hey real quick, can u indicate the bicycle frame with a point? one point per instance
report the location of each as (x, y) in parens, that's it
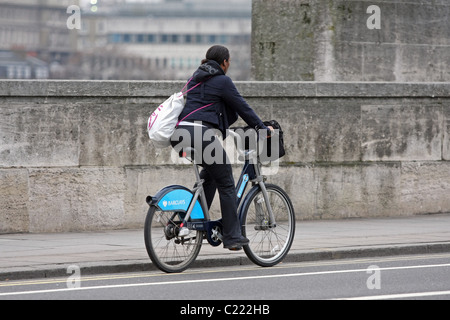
(197, 213)
(251, 172)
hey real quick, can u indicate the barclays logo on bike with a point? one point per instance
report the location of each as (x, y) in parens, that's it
(179, 199)
(174, 203)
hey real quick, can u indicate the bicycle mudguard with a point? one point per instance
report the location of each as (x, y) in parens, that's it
(176, 198)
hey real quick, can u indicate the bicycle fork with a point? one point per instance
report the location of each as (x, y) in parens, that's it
(262, 222)
(259, 203)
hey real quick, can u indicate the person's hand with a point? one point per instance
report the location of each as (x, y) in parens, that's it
(271, 130)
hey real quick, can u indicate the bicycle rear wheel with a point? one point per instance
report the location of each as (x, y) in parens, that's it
(268, 245)
(169, 252)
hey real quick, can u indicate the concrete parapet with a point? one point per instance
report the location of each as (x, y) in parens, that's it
(75, 155)
(358, 40)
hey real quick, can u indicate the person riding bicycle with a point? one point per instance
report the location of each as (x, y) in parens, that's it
(227, 104)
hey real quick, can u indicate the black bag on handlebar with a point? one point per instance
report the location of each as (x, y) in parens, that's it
(273, 146)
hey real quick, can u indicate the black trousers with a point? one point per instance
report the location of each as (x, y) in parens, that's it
(217, 174)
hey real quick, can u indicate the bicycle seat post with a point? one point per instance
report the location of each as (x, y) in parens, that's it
(198, 180)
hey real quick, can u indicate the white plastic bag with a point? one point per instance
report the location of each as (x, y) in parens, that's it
(162, 122)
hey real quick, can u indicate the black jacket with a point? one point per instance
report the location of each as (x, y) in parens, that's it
(217, 88)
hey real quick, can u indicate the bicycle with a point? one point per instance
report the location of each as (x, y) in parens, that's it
(178, 218)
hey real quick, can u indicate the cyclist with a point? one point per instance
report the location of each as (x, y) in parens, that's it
(227, 104)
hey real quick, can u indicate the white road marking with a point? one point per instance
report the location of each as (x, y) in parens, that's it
(400, 295)
(226, 279)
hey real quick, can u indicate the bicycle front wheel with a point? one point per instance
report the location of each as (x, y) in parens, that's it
(169, 252)
(268, 245)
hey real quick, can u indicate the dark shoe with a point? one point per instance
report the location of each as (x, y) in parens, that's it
(237, 245)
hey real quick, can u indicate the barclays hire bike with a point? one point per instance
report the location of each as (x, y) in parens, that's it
(178, 218)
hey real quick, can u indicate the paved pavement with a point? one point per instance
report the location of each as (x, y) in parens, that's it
(46, 255)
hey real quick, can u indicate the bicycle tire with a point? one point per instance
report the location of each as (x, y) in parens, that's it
(268, 245)
(170, 253)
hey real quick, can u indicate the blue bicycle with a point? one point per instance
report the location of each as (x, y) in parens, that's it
(178, 219)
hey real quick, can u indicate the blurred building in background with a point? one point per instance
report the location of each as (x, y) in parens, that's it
(21, 65)
(33, 35)
(167, 39)
(120, 39)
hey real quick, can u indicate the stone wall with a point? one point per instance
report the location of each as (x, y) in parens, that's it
(351, 40)
(75, 155)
